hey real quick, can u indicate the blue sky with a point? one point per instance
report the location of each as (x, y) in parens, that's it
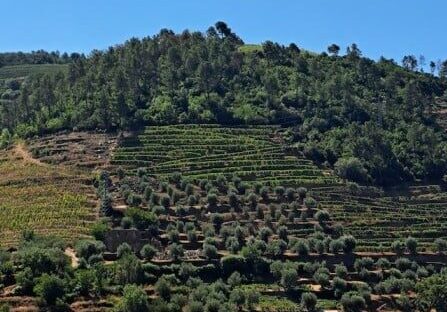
(392, 28)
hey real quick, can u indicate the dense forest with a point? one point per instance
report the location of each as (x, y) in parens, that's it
(370, 120)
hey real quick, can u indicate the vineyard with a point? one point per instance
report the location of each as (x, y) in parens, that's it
(48, 200)
(21, 71)
(205, 152)
(259, 155)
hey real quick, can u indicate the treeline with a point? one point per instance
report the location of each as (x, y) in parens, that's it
(36, 57)
(372, 121)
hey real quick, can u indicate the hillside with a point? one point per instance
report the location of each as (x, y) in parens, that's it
(44, 199)
(386, 113)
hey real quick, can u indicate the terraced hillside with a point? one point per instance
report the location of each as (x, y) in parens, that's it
(43, 198)
(259, 155)
(254, 154)
(377, 219)
(86, 150)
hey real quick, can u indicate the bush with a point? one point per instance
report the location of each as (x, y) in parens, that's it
(232, 263)
(134, 300)
(123, 249)
(234, 280)
(141, 219)
(301, 247)
(336, 245)
(351, 169)
(99, 230)
(309, 301)
(210, 251)
(289, 278)
(212, 199)
(50, 288)
(126, 223)
(341, 271)
(176, 251)
(237, 296)
(280, 191)
(165, 202)
(339, 286)
(86, 248)
(322, 216)
(148, 252)
(349, 243)
(25, 280)
(290, 194)
(163, 288)
(353, 302)
(441, 245)
(411, 244)
(398, 247)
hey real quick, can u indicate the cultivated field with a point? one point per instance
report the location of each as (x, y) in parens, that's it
(39, 197)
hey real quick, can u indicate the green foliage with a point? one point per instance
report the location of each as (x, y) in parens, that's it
(432, 293)
(141, 219)
(134, 300)
(50, 288)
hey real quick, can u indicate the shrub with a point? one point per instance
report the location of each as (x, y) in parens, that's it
(322, 277)
(411, 244)
(252, 199)
(264, 193)
(134, 300)
(134, 200)
(290, 194)
(398, 247)
(165, 202)
(163, 288)
(234, 279)
(123, 249)
(309, 301)
(339, 286)
(86, 248)
(289, 278)
(148, 252)
(277, 247)
(50, 288)
(351, 169)
(282, 233)
(237, 296)
(212, 199)
(252, 299)
(210, 251)
(265, 233)
(301, 247)
(341, 271)
(99, 230)
(280, 191)
(441, 245)
(141, 219)
(383, 263)
(195, 306)
(176, 251)
(232, 263)
(353, 302)
(336, 245)
(126, 223)
(349, 243)
(322, 216)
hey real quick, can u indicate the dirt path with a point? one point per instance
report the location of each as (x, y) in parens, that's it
(72, 255)
(21, 151)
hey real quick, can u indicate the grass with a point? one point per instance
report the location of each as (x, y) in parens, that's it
(48, 200)
(21, 71)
